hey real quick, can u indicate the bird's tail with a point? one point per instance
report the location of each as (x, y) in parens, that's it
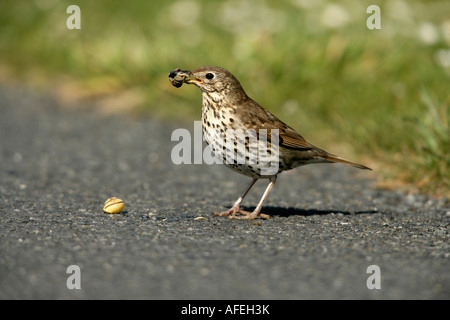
(333, 158)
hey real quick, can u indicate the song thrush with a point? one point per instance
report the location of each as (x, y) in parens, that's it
(227, 107)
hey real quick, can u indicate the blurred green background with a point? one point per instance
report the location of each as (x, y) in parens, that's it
(376, 96)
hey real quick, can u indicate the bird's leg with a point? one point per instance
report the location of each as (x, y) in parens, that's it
(236, 207)
(257, 211)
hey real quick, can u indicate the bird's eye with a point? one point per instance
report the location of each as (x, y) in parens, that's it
(209, 76)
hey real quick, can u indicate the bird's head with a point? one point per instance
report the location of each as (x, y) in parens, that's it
(209, 79)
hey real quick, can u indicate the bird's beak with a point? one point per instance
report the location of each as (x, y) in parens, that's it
(178, 77)
(193, 79)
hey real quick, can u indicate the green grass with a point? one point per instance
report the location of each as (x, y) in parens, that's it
(433, 130)
(376, 96)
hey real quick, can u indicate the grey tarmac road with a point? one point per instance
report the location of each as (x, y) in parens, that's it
(329, 224)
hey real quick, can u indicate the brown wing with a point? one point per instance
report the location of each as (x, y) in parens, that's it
(256, 117)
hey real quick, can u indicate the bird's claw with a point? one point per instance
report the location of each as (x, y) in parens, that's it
(246, 215)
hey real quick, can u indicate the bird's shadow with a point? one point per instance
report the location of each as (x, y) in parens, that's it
(291, 211)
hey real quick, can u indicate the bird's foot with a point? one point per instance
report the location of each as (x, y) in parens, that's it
(232, 214)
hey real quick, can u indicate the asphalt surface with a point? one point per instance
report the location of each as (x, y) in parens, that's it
(329, 224)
